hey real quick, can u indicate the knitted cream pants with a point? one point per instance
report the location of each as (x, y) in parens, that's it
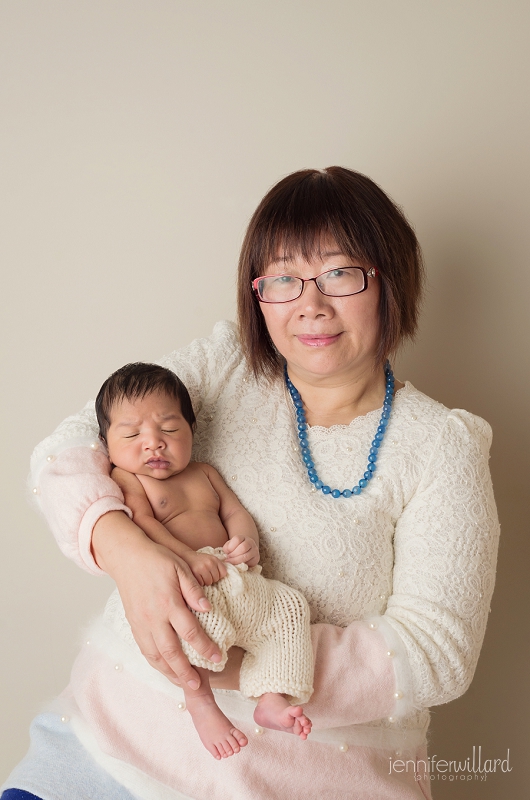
(270, 621)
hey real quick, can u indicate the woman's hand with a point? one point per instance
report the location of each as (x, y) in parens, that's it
(229, 677)
(155, 585)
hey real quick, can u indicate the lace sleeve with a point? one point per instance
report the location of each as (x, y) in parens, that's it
(445, 550)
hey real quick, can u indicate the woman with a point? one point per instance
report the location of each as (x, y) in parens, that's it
(384, 519)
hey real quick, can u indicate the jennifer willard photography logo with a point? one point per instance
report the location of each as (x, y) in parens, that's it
(471, 768)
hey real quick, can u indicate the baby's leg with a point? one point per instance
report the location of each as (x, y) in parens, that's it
(216, 731)
(275, 711)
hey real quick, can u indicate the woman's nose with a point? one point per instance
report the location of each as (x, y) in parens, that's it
(312, 302)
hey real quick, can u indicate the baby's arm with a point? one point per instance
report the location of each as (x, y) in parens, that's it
(242, 546)
(207, 569)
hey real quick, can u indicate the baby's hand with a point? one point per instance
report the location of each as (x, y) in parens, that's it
(207, 569)
(241, 550)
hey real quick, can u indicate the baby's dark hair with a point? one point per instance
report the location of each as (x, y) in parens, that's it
(136, 381)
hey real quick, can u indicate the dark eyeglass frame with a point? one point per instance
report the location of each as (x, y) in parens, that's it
(371, 273)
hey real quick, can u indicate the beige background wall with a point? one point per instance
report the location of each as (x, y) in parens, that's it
(136, 139)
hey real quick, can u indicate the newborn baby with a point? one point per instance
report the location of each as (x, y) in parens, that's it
(146, 420)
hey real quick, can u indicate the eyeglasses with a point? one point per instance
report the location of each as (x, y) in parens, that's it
(335, 282)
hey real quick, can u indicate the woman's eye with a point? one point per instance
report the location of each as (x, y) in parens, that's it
(284, 279)
(336, 273)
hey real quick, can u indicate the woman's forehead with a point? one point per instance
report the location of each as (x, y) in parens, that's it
(318, 255)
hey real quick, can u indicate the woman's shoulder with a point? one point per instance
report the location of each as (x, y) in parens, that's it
(417, 407)
(223, 340)
(206, 365)
(206, 356)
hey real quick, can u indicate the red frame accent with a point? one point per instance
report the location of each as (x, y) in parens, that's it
(307, 280)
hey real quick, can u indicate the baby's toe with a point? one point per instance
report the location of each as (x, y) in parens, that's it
(240, 737)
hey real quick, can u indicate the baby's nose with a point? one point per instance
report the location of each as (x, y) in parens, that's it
(153, 443)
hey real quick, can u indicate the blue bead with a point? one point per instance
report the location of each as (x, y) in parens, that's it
(302, 427)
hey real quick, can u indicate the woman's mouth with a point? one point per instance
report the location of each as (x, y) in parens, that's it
(157, 463)
(318, 339)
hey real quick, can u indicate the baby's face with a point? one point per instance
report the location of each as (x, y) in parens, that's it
(149, 436)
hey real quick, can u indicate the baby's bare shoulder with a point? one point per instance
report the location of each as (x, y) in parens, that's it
(199, 468)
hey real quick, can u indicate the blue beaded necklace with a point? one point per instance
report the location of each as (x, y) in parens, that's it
(374, 449)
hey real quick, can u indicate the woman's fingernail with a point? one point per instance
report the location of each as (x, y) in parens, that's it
(203, 602)
(216, 658)
(193, 684)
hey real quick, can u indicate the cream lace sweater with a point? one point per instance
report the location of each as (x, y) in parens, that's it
(412, 559)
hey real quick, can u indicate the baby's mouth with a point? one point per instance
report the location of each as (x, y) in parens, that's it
(157, 463)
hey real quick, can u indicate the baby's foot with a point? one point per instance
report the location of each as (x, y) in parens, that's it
(274, 711)
(216, 731)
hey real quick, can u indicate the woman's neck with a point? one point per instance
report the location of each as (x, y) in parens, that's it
(338, 400)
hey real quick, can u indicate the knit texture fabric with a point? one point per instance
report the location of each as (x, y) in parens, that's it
(268, 619)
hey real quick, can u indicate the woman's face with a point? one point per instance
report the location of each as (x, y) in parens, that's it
(324, 339)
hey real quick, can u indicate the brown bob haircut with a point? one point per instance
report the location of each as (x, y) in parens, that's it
(136, 381)
(295, 218)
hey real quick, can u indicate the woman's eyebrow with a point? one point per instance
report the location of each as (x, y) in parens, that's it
(327, 254)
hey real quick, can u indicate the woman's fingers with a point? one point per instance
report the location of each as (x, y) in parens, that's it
(162, 649)
(185, 623)
(156, 605)
(153, 655)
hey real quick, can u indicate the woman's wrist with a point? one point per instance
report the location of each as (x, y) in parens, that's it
(114, 537)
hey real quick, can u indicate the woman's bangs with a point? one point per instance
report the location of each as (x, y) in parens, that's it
(289, 237)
